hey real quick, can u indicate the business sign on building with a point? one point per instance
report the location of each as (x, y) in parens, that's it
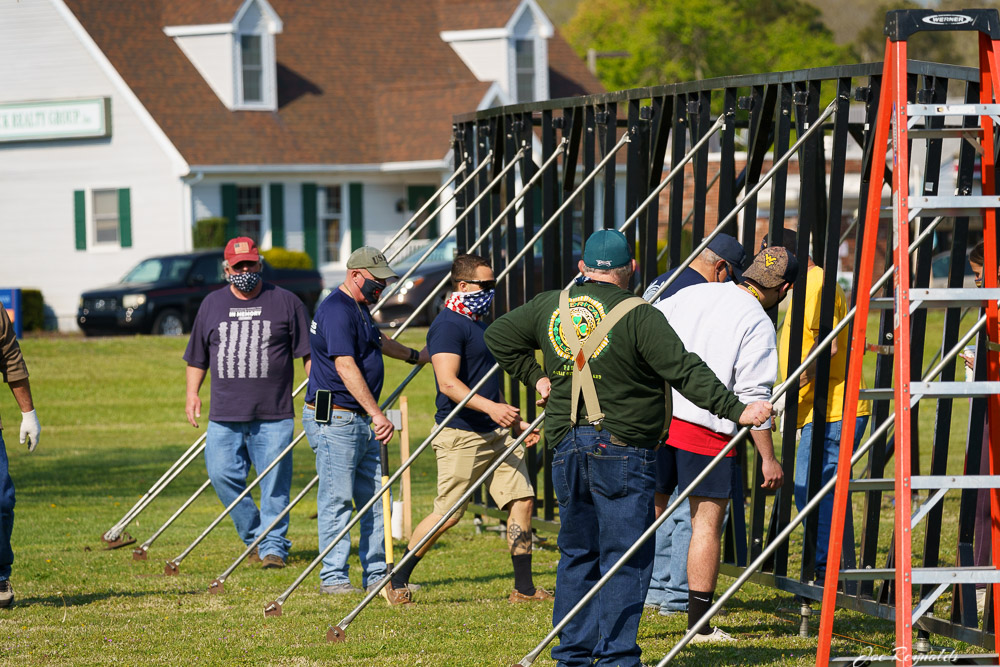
(56, 119)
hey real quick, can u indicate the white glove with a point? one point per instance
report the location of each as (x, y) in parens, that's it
(779, 405)
(30, 428)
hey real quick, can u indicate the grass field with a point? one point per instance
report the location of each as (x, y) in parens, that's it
(112, 416)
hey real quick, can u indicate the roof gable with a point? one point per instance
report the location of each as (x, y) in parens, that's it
(358, 83)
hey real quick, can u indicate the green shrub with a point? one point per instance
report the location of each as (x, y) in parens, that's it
(32, 310)
(210, 233)
(280, 258)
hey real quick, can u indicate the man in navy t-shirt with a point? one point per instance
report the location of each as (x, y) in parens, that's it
(668, 588)
(247, 334)
(347, 351)
(478, 433)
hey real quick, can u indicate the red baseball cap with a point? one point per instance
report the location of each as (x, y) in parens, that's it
(241, 249)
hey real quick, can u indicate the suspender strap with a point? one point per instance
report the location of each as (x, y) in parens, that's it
(583, 379)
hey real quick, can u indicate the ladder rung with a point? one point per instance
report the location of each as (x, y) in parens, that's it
(928, 575)
(940, 298)
(952, 109)
(945, 133)
(936, 390)
(918, 482)
(955, 296)
(952, 205)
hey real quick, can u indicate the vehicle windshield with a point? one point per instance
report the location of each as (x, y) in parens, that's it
(158, 270)
(443, 253)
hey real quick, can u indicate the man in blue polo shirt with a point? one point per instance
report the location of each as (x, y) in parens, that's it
(347, 349)
(668, 588)
(474, 437)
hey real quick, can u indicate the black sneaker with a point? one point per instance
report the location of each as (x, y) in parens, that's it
(6, 594)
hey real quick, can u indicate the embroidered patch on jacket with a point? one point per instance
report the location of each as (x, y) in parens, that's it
(586, 313)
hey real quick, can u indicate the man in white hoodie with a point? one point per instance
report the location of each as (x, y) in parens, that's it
(726, 325)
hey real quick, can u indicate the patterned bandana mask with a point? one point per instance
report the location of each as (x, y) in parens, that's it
(245, 282)
(471, 304)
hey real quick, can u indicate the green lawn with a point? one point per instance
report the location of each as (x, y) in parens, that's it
(112, 416)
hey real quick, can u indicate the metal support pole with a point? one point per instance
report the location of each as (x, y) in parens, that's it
(337, 633)
(217, 584)
(172, 565)
(140, 552)
(389, 291)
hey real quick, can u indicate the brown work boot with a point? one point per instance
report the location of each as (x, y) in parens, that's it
(272, 562)
(539, 594)
(254, 556)
(397, 597)
(6, 594)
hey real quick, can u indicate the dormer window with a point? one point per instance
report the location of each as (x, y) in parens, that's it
(524, 64)
(251, 69)
(236, 58)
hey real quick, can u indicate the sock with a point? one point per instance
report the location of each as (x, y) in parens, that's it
(523, 582)
(401, 577)
(699, 603)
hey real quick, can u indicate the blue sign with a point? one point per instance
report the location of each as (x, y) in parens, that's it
(10, 298)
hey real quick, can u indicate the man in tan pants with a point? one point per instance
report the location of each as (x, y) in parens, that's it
(477, 434)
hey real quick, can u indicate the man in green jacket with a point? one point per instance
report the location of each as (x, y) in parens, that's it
(603, 470)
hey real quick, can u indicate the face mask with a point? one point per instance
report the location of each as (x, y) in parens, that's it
(479, 302)
(245, 282)
(371, 290)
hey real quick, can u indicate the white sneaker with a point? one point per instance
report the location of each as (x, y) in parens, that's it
(717, 635)
(980, 600)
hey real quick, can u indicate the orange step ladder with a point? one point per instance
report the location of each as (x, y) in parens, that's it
(901, 116)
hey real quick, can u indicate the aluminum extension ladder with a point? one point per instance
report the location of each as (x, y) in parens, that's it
(897, 113)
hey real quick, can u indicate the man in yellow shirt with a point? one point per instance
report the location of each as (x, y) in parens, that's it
(828, 445)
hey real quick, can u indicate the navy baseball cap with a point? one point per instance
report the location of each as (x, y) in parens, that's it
(729, 249)
(606, 249)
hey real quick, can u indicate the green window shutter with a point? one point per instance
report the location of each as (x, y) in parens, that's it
(80, 218)
(417, 196)
(229, 208)
(277, 215)
(125, 218)
(309, 221)
(356, 191)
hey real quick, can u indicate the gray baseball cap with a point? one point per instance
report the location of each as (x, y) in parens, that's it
(373, 261)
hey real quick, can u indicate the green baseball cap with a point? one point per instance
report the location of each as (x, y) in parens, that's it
(606, 249)
(371, 259)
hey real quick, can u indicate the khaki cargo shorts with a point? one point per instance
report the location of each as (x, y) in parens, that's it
(462, 456)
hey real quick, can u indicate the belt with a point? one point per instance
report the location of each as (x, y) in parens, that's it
(357, 411)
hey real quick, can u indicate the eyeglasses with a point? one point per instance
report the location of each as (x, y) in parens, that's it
(485, 284)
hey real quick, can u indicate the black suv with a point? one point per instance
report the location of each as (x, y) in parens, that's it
(161, 295)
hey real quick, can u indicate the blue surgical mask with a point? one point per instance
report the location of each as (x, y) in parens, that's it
(245, 282)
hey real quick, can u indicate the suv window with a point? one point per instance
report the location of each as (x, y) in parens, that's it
(210, 270)
(158, 270)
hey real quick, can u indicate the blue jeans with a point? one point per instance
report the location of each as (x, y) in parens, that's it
(347, 462)
(830, 450)
(605, 495)
(230, 448)
(668, 586)
(6, 514)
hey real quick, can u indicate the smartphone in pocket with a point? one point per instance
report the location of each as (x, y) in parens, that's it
(324, 405)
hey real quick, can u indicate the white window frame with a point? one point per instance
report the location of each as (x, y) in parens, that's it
(264, 242)
(92, 220)
(321, 218)
(269, 77)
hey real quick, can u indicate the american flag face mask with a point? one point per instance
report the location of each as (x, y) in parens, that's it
(471, 304)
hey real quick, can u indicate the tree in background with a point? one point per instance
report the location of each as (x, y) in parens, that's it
(684, 40)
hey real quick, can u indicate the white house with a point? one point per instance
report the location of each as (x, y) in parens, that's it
(315, 125)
